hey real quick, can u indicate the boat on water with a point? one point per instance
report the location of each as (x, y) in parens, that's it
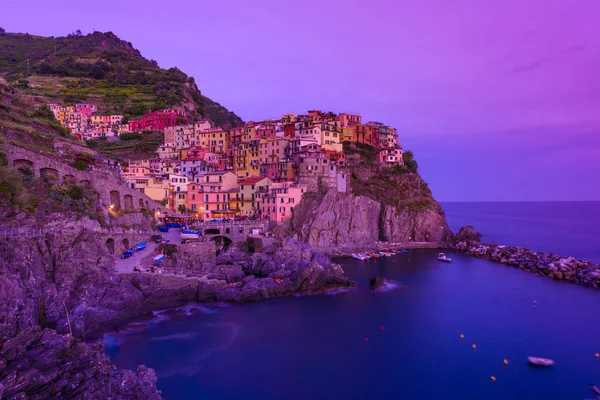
(360, 256)
(404, 251)
(140, 246)
(442, 257)
(386, 254)
(596, 390)
(540, 362)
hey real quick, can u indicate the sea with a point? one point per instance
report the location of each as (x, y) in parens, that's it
(440, 331)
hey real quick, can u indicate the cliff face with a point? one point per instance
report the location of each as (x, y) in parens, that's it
(339, 223)
(382, 204)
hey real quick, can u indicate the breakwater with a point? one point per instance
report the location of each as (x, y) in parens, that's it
(556, 267)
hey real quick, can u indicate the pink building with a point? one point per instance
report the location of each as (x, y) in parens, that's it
(209, 195)
(156, 120)
(391, 156)
(280, 199)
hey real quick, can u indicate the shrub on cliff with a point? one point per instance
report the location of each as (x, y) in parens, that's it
(81, 165)
(409, 161)
(12, 187)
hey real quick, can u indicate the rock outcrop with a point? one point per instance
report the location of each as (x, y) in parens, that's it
(282, 269)
(467, 234)
(41, 364)
(343, 223)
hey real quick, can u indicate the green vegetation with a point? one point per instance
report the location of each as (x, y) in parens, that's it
(12, 187)
(102, 69)
(167, 249)
(132, 146)
(25, 125)
(81, 165)
(367, 152)
(409, 161)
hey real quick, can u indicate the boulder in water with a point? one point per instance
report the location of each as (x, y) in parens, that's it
(467, 234)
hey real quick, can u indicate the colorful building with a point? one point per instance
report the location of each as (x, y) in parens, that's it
(210, 194)
(279, 200)
(156, 120)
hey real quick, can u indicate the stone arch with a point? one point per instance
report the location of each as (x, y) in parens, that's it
(125, 243)
(212, 231)
(110, 245)
(85, 182)
(115, 200)
(221, 240)
(68, 178)
(23, 165)
(141, 204)
(49, 174)
(128, 202)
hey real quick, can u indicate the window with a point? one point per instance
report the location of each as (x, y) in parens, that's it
(193, 197)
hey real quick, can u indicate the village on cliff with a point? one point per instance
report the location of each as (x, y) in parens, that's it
(258, 170)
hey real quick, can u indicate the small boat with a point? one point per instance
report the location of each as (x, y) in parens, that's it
(360, 256)
(163, 228)
(595, 389)
(404, 251)
(159, 258)
(540, 362)
(375, 255)
(442, 257)
(190, 234)
(140, 246)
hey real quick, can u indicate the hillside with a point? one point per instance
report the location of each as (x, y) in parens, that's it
(102, 69)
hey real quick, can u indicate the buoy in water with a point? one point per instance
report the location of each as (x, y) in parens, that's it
(381, 328)
(597, 355)
(535, 302)
(493, 378)
(474, 346)
(506, 362)
(367, 339)
(462, 336)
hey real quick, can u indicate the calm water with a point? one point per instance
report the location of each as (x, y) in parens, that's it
(314, 347)
(564, 228)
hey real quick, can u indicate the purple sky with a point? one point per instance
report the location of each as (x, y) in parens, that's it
(499, 99)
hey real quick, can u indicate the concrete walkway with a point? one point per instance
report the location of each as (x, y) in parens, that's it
(123, 266)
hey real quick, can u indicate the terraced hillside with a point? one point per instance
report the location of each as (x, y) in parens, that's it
(102, 69)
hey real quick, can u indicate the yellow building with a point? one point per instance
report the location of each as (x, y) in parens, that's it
(248, 197)
(253, 158)
(347, 134)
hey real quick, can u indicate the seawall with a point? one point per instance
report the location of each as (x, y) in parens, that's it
(556, 267)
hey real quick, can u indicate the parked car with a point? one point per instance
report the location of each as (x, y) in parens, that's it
(225, 219)
(237, 218)
(140, 246)
(157, 238)
(127, 253)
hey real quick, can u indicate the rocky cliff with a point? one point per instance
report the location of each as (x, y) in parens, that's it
(58, 289)
(381, 205)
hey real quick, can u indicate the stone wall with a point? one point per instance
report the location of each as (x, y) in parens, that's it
(111, 189)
